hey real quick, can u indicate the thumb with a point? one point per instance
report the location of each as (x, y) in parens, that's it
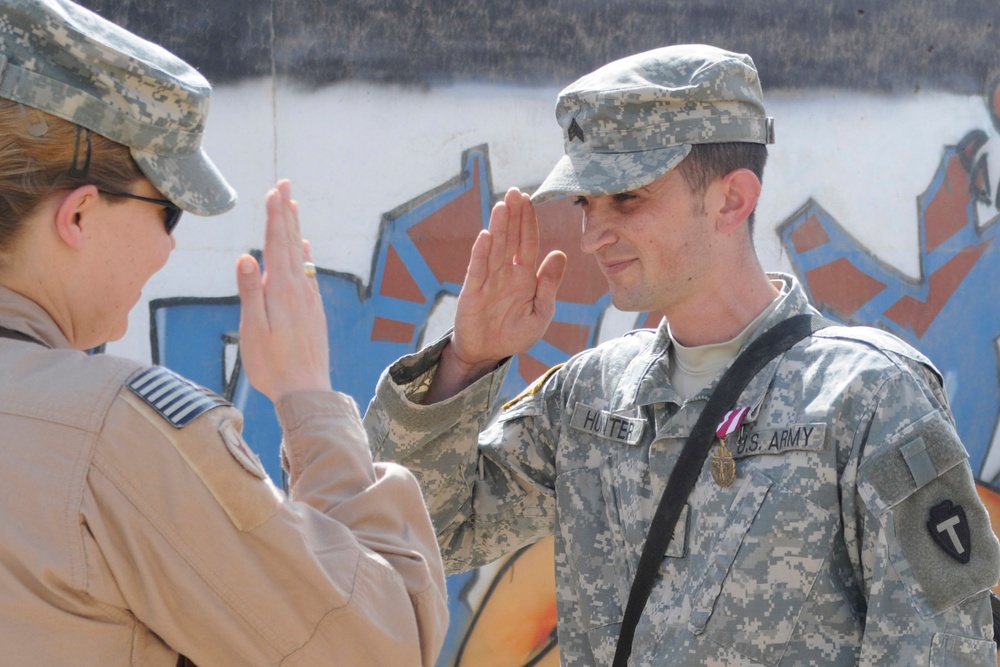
(550, 275)
(251, 288)
(478, 268)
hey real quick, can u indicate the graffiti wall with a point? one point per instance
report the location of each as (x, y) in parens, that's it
(401, 122)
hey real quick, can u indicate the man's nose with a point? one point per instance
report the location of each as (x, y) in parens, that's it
(597, 229)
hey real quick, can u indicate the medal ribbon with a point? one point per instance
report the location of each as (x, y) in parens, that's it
(731, 422)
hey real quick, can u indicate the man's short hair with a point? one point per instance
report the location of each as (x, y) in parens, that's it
(707, 163)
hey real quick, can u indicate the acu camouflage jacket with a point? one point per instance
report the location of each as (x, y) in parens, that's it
(853, 533)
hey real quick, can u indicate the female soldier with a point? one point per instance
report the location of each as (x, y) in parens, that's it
(137, 523)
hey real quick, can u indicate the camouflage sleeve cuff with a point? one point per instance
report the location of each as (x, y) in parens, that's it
(413, 374)
(415, 371)
(396, 405)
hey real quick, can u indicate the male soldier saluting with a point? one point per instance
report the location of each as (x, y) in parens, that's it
(858, 538)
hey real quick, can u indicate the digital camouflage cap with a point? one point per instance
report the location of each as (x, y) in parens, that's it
(63, 59)
(633, 120)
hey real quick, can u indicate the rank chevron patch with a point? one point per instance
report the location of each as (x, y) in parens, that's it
(174, 398)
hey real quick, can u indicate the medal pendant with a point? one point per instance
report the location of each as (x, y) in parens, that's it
(723, 465)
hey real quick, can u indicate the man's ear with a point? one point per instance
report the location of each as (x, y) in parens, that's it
(740, 190)
(75, 212)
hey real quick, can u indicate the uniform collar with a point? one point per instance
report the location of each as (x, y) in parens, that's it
(21, 314)
(645, 380)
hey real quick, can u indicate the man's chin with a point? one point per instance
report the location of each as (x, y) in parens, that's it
(628, 303)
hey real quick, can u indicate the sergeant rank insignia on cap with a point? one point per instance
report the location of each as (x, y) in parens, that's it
(575, 131)
(174, 398)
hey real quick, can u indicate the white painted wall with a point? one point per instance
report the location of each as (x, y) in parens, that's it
(355, 151)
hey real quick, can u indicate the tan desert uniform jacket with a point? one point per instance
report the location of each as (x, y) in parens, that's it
(127, 539)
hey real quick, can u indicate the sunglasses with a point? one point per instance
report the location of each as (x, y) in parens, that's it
(172, 211)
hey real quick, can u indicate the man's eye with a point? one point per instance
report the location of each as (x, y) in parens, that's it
(624, 196)
(580, 201)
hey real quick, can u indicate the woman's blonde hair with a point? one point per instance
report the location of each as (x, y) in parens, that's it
(41, 154)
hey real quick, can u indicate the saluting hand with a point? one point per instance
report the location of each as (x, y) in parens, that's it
(283, 337)
(506, 303)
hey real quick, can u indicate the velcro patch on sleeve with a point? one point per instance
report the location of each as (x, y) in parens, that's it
(174, 398)
(944, 549)
(949, 527)
(927, 449)
(213, 449)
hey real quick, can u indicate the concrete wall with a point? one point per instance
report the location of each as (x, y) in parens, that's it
(400, 122)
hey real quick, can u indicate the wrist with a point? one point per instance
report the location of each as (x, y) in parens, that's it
(461, 370)
(454, 374)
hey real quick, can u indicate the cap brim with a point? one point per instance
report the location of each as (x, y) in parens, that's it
(608, 173)
(190, 180)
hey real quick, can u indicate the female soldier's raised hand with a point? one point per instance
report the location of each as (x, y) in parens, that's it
(283, 337)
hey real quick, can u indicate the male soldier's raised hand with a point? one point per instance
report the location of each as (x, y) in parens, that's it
(506, 304)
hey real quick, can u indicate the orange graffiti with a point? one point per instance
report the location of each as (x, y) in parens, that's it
(515, 625)
(991, 499)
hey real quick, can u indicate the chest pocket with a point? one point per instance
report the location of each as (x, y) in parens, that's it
(762, 567)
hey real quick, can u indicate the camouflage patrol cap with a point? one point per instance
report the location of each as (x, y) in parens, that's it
(633, 120)
(65, 60)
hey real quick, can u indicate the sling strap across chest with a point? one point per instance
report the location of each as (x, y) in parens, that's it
(682, 479)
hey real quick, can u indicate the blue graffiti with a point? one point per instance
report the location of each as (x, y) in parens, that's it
(956, 323)
(198, 337)
(193, 335)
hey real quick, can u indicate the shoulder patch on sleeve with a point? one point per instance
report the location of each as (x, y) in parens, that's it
(174, 398)
(238, 447)
(941, 544)
(949, 527)
(533, 388)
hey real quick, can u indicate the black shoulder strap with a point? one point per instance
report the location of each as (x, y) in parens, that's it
(770, 344)
(995, 605)
(17, 335)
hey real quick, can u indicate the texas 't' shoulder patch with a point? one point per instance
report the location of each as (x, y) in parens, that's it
(949, 527)
(174, 398)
